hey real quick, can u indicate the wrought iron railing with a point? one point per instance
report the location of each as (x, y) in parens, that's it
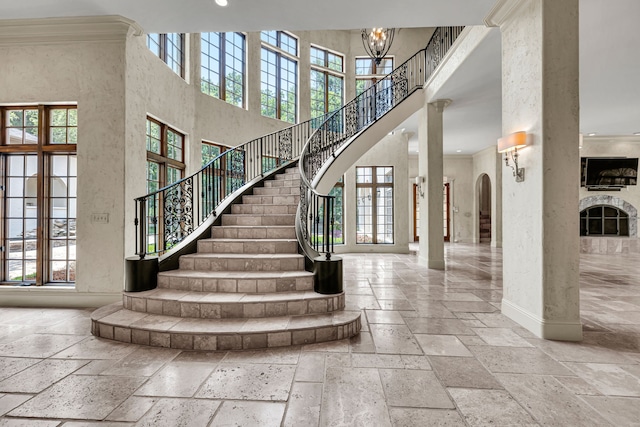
(314, 220)
(166, 217)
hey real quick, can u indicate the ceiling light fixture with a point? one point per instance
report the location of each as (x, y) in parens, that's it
(591, 134)
(458, 151)
(222, 3)
(636, 133)
(377, 42)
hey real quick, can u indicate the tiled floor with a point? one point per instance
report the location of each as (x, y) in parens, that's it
(434, 350)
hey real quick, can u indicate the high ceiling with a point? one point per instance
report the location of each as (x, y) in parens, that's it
(609, 54)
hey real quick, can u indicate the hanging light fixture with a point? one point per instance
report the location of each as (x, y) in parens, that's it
(377, 42)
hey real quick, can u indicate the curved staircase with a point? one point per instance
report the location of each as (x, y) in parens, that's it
(245, 288)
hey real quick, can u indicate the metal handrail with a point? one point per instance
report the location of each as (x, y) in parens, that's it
(165, 217)
(314, 219)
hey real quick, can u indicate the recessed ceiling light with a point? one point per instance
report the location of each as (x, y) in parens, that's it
(636, 133)
(222, 3)
(591, 134)
(458, 151)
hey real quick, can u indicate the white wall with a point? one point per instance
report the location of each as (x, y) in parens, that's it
(458, 172)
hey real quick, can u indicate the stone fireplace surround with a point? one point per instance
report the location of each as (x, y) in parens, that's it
(611, 244)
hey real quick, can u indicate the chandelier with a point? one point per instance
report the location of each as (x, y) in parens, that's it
(377, 42)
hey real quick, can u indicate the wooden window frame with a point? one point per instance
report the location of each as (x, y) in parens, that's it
(375, 185)
(43, 150)
(222, 88)
(326, 71)
(280, 53)
(163, 44)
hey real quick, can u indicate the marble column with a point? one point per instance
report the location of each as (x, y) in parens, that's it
(430, 135)
(540, 95)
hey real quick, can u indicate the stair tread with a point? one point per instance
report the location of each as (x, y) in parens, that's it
(226, 255)
(253, 226)
(182, 325)
(226, 297)
(265, 240)
(236, 274)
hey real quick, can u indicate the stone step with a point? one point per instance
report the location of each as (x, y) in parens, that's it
(221, 305)
(116, 323)
(282, 183)
(292, 170)
(265, 219)
(271, 200)
(275, 191)
(236, 281)
(263, 209)
(288, 177)
(253, 232)
(248, 246)
(242, 262)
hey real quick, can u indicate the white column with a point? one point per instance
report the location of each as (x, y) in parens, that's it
(430, 135)
(540, 95)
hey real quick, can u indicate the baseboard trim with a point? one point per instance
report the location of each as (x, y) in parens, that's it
(52, 297)
(549, 330)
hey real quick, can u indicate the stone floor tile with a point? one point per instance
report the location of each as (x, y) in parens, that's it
(17, 422)
(469, 307)
(412, 417)
(442, 345)
(12, 365)
(341, 346)
(518, 360)
(210, 357)
(96, 424)
(490, 407)
(38, 346)
(575, 352)
(249, 414)
(96, 367)
(415, 362)
(609, 379)
(414, 389)
(180, 413)
(132, 409)
(249, 382)
(80, 397)
(395, 304)
(338, 360)
(361, 302)
(95, 348)
(394, 339)
(495, 320)
(304, 405)
(362, 343)
(280, 356)
(501, 337)
(620, 411)
(177, 379)
(438, 326)
(310, 367)
(143, 362)
(578, 386)
(11, 401)
(40, 376)
(549, 402)
(463, 372)
(367, 360)
(353, 396)
(384, 317)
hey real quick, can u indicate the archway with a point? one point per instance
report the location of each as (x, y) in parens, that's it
(483, 198)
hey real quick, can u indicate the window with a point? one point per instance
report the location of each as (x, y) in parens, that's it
(368, 72)
(223, 66)
(327, 82)
(170, 48)
(338, 212)
(604, 221)
(374, 205)
(279, 76)
(210, 151)
(39, 186)
(165, 165)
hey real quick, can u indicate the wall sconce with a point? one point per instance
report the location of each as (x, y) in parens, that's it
(509, 146)
(419, 181)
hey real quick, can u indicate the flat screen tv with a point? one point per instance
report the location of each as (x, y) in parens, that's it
(609, 172)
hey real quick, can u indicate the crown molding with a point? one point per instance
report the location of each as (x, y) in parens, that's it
(85, 29)
(501, 12)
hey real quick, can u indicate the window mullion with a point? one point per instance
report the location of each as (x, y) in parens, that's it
(223, 62)
(278, 86)
(42, 240)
